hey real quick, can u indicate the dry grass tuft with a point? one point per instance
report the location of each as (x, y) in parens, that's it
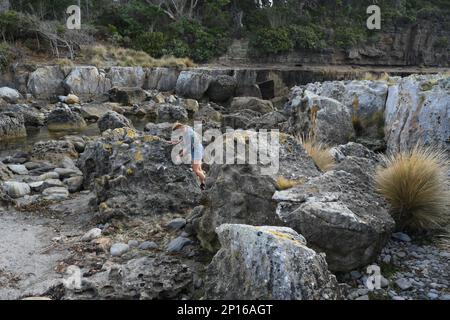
(318, 151)
(383, 76)
(65, 63)
(284, 183)
(414, 183)
(102, 56)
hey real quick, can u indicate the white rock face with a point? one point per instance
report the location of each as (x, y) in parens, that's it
(127, 77)
(86, 81)
(363, 97)
(9, 94)
(328, 119)
(161, 79)
(16, 189)
(418, 110)
(46, 81)
(258, 263)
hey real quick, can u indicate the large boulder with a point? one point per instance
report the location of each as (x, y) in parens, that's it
(172, 113)
(161, 79)
(326, 119)
(127, 76)
(10, 95)
(94, 111)
(63, 118)
(46, 82)
(191, 84)
(242, 192)
(87, 81)
(53, 151)
(127, 95)
(12, 125)
(267, 263)
(31, 116)
(136, 175)
(222, 88)
(339, 212)
(154, 277)
(363, 98)
(418, 110)
(113, 120)
(251, 103)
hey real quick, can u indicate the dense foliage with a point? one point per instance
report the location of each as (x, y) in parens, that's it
(203, 29)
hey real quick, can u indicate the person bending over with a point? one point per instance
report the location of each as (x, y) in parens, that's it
(192, 143)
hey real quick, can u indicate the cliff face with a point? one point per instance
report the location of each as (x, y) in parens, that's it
(425, 42)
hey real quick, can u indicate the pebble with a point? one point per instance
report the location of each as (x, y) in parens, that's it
(176, 224)
(387, 259)
(400, 236)
(18, 169)
(148, 245)
(398, 298)
(403, 283)
(365, 297)
(92, 234)
(133, 243)
(178, 244)
(16, 189)
(118, 249)
(56, 193)
(432, 295)
(48, 175)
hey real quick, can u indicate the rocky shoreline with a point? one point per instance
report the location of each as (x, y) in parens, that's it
(133, 225)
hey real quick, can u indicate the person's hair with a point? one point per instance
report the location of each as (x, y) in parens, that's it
(177, 126)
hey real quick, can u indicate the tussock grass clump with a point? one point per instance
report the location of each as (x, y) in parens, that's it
(318, 151)
(373, 76)
(102, 56)
(414, 184)
(284, 183)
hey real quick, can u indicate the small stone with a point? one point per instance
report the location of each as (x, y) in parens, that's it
(384, 282)
(176, 224)
(49, 175)
(119, 249)
(365, 297)
(18, 169)
(432, 295)
(92, 234)
(401, 254)
(36, 185)
(16, 189)
(445, 297)
(74, 183)
(49, 183)
(133, 243)
(400, 236)
(178, 244)
(56, 193)
(387, 259)
(148, 245)
(403, 283)
(398, 298)
(67, 172)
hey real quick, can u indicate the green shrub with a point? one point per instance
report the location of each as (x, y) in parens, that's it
(151, 42)
(203, 43)
(441, 43)
(272, 41)
(5, 56)
(348, 36)
(307, 37)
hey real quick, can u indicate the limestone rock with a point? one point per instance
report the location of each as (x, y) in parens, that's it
(261, 263)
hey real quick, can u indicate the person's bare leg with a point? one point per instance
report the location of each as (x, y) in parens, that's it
(197, 167)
